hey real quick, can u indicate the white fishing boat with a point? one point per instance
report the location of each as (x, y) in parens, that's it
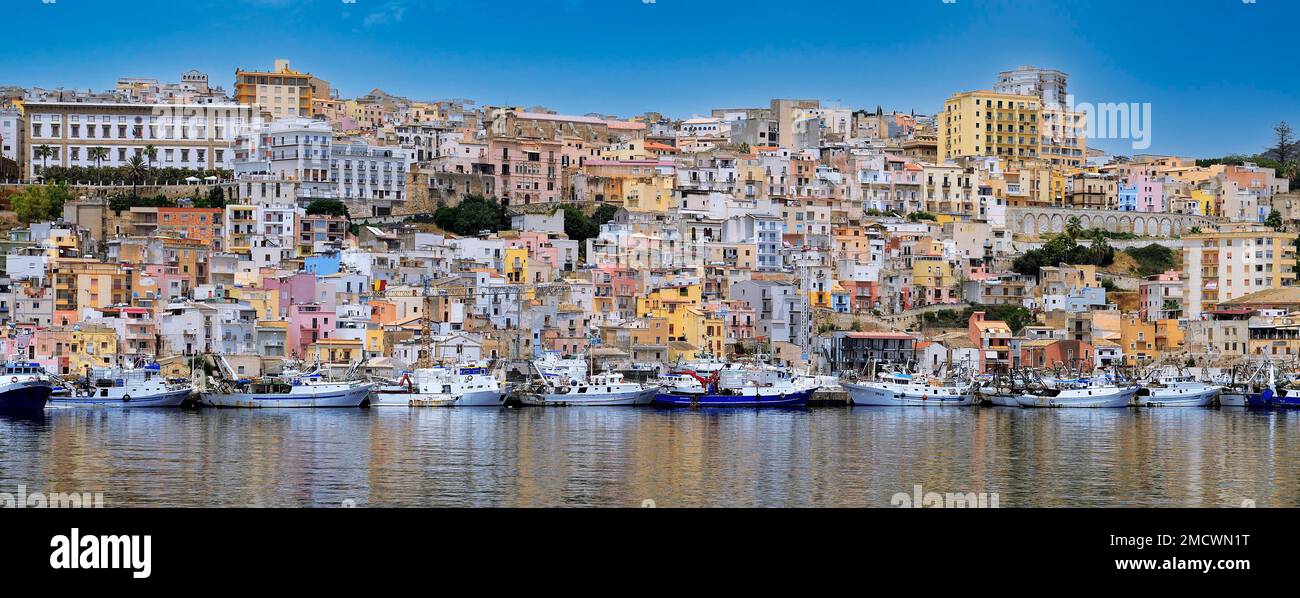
(560, 370)
(902, 389)
(608, 389)
(289, 389)
(1176, 390)
(465, 385)
(1082, 394)
(125, 387)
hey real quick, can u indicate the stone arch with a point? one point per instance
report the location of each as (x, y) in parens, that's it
(1058, 223)
(1044, 224)
(1029, 227)
(1112, 224)
(1085, 222)
(1166, 227)
(1139, 226)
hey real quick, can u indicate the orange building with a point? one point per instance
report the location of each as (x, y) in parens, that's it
(205, 224)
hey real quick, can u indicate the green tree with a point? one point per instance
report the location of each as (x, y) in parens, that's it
(216, 199)
(135, 171)
(1274, 220)
(151, 153)
(604, 214)
(40, 202)
(915, 216)
(1074, 227)
(44, 152)
(329, 207)
(473, 215)
(578, 226)
(98, 154)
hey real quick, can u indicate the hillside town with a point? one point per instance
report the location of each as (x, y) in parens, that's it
(270, 220)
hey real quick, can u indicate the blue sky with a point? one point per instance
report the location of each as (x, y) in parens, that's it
(1217, 73)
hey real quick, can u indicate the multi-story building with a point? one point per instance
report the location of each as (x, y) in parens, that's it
(1047, 85)
(987, 123)
(1233, 262)
(279, 93)
(191, 136)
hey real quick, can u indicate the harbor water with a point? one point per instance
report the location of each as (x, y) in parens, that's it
(630, 457)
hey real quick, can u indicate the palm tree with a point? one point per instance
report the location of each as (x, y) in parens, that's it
(152, 153)
(44, 152)
(1074, 227)
(97, 154)
(135, 169)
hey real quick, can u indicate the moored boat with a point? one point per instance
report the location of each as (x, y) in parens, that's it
(898, 389)
(125, 387)
(462, 385)
(601, 390)
(734, 386)
(25, 388)
(1090, 396)
(291, 388)
(1176, 390)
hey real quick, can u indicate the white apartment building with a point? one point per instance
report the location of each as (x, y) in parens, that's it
(12, 134)
(184, 135)
(372, 178)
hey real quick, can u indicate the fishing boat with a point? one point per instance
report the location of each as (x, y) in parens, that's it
(125, 387)
(1176, 390)
(25, 388)
(291, 388)
(465, 385)
(899, 389)
(1099, 392)
(608, 390)
(551, 366)
(736, 386)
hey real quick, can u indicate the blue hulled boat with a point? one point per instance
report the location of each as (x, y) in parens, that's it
(735, 387)
(24, 388)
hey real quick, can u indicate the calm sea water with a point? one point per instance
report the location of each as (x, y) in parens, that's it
(624, 456)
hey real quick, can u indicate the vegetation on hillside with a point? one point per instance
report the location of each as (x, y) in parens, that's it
(1064, 249)
(40, 202)
(1016, 316)
(1153, 259)
(118, 175)
(471, 216)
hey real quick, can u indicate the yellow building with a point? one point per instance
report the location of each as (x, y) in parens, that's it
(687, 321)
(1205, 202)
(335, 350)
(516, 265)
(932, 273)
(986, 123)
(265, 301)
(1138, 340)
(279, 93)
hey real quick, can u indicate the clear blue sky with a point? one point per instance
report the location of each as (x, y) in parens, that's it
(1218, 73)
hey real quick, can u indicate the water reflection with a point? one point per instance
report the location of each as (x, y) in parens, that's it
(620, 457)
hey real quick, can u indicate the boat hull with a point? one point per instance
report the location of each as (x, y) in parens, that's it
(352, 397)
(1178, 397)
(414, 399)
(797, 398)
(25, 397)
(173, 398)
(1107, 400)
(613, 399)
(1232, 399)
(892, 395)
